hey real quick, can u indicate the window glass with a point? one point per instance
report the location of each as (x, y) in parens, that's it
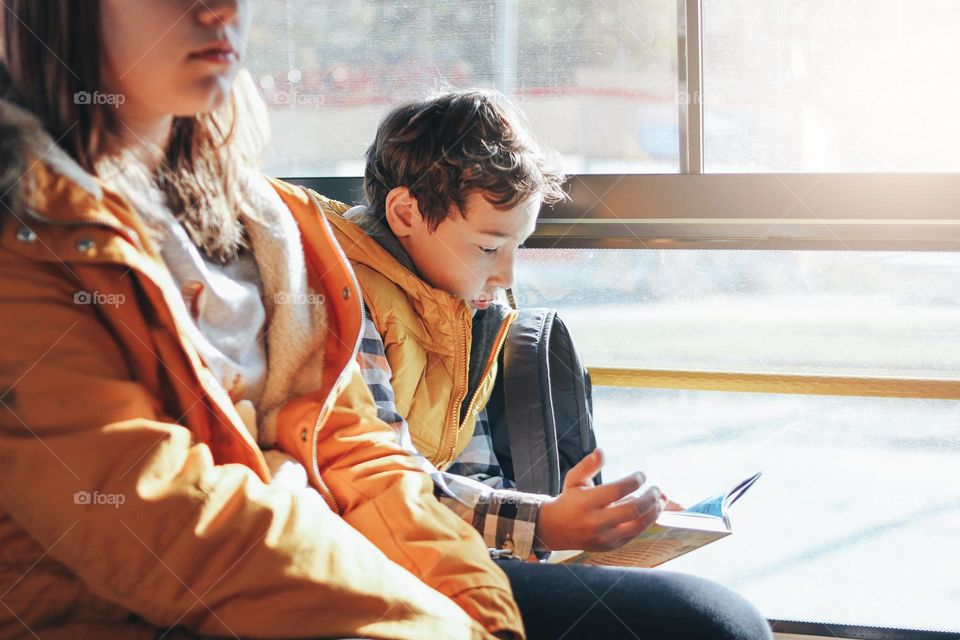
(805, 312)
(855, 519)
(820, 85)
(597, 80)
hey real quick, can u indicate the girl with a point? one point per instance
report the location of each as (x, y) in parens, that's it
(168, 316)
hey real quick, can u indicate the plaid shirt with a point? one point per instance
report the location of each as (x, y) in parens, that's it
(473, 485)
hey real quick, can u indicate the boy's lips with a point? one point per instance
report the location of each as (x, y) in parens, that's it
(481, 304)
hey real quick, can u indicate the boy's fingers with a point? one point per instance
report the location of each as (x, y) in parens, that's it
(624, 533)
(630, 508)
(581, 475)
(613, 491)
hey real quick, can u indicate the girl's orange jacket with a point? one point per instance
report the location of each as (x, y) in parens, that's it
(131, 494)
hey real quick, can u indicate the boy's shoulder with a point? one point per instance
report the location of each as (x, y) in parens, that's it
(288, 190)
(397, 315)
(380, 292)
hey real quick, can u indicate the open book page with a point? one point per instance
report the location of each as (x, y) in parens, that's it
(674, 534)
(718, 505)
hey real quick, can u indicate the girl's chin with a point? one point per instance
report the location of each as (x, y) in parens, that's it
(199, 107)
(207, 95)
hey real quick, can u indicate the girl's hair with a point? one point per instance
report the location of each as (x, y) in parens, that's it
(50, 62)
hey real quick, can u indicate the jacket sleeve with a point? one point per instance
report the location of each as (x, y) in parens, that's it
(506, 518)
(127, 501)
(384, 493)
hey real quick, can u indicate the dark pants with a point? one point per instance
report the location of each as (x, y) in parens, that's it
(575, 601)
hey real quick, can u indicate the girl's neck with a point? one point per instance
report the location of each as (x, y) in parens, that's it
(146, 135)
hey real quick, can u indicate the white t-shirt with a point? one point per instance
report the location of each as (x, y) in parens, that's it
(226, 304)
(225, 301)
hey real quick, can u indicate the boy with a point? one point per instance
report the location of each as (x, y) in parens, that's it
(454, 186)
(429, 275)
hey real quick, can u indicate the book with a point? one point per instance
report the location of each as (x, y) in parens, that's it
(674, 534)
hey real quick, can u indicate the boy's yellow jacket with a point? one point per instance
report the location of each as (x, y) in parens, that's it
(427, 337)
(109, 400)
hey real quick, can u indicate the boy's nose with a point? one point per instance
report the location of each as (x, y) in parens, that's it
(502, 277)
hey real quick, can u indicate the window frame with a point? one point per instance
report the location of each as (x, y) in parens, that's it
(775, 211)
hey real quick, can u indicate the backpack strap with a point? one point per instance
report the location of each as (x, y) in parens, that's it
(572, 395)
(541, 410)
(528, 403)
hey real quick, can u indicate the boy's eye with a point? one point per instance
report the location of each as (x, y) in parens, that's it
(487, 250)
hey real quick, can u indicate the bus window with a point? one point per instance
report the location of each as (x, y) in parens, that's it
(752, 264)
(857, 498)
(862, 85)
(596, 81)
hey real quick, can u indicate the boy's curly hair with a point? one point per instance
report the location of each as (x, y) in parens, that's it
(457, 143)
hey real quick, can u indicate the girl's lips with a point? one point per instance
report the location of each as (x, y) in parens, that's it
(481, 304)
(220, 52)
(215, 57)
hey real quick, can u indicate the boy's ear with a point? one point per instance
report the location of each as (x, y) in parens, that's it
(403, 212)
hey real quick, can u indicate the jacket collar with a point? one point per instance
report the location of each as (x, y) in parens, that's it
(58, 192)
(371, 242)
(380, 233)
(52, 176)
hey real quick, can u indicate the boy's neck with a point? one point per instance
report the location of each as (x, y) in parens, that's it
(381, 233)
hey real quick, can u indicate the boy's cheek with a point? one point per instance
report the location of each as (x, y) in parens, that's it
(465, 278)
(453, 280)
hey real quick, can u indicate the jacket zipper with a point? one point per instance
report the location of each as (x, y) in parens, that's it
(454, 429)
(501, 340)
(328, 494)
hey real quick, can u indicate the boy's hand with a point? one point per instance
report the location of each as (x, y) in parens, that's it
(596, 518)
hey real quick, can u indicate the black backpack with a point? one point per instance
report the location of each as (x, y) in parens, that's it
(541, 407)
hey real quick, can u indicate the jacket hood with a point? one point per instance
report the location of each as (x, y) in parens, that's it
(375, 245)
(23, 140)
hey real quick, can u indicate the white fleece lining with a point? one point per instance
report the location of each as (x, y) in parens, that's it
(296, 314)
